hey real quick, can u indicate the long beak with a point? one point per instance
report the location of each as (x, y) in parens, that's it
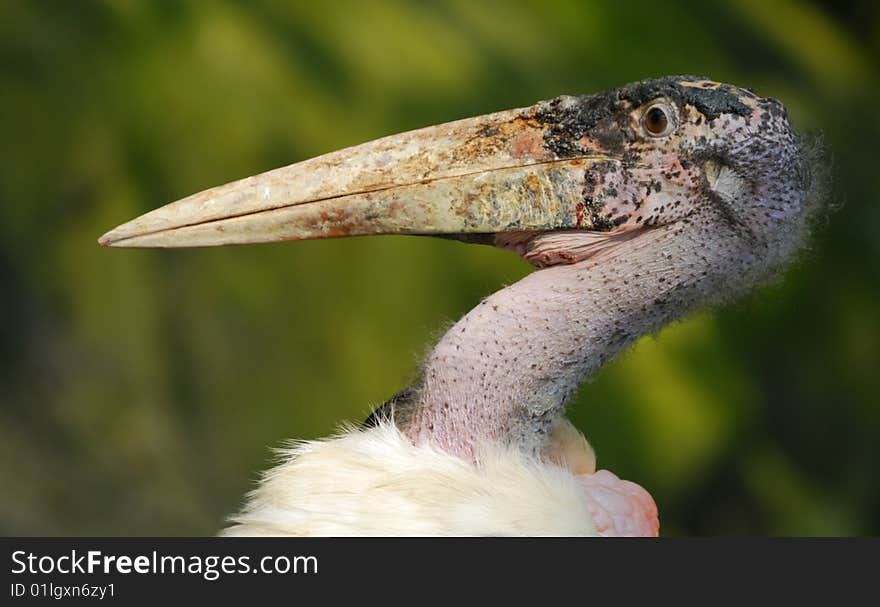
(484, 175)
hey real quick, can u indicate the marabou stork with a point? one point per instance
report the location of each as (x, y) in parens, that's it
(636, 205)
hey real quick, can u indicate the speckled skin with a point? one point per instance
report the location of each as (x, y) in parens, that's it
(694, 218)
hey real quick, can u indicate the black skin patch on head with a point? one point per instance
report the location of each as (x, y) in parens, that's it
(710, 102)
(601, 116)
(610, 137)
(569, 122)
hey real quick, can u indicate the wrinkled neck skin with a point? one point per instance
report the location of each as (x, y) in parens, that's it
(505, 372)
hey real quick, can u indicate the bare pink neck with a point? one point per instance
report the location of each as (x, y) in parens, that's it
(506, 370)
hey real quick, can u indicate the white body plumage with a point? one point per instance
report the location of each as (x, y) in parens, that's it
(377, 482)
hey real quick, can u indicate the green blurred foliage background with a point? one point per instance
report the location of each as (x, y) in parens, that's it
(140, 391)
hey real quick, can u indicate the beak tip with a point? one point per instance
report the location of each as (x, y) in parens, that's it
(115, 238)
(108, 239)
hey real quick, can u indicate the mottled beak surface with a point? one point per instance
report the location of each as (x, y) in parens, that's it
(484, 175)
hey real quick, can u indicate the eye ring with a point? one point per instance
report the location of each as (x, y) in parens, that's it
(658, 120)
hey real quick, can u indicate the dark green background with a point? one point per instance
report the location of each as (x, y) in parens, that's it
(140, 391)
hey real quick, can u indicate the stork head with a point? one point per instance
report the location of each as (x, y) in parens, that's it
(683, 154)
(560, 182)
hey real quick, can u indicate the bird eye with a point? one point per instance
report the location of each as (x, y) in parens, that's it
(657, 120)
